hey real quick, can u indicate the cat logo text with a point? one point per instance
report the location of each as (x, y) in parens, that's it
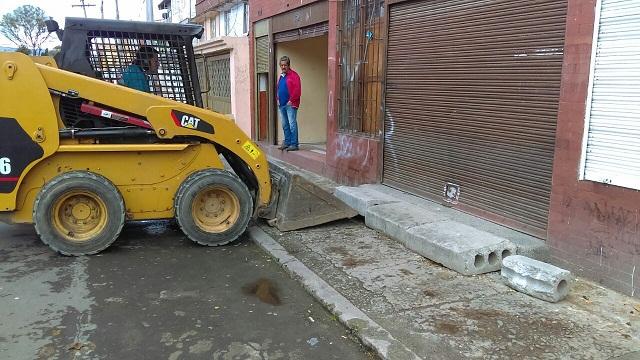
(189, 121)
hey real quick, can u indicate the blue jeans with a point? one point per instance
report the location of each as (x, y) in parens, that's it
(289, 125)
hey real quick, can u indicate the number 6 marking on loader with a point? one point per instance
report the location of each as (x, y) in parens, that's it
(5, 166)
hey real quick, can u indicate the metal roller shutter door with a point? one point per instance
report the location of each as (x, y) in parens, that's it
(302, 33)
(613, 117)
(472, 99)
(262, 54)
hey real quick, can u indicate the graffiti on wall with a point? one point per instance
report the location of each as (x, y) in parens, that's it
(615, 224)
(354, 152)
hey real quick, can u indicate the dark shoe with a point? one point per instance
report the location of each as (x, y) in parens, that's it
(293, 148)
(283, 147)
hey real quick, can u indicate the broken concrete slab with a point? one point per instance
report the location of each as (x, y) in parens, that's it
(536, 278)
(362, 197)
(459, 247)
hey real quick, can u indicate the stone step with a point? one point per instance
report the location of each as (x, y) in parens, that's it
(395, 219)
(361, 198)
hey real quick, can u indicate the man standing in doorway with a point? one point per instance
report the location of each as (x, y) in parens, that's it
(289, 90)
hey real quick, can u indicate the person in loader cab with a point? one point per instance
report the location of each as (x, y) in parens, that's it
(136, 75)
(289, 91)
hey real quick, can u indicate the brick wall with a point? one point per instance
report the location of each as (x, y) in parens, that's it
(202, 6)
(262, 9)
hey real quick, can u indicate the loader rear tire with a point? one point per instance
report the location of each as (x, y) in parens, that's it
(79, 213)
(213, 207)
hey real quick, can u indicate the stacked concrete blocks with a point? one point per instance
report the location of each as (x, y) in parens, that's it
(459, 247)
(536, 278)
(456, 246)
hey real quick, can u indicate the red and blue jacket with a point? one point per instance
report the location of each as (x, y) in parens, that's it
(290, 89)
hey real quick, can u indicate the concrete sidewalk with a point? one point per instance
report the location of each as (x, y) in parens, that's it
(405, 306)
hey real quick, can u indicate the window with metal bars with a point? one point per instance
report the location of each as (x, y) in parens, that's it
(214, 28)
(245, 19)
(362, 66)
(227, 22)
(219, 72)
(111, 53)
(215, 79)
(220, 75)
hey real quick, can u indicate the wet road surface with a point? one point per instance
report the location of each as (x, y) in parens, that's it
(156, 295)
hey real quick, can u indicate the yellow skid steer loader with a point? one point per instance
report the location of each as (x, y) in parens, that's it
(80, 153)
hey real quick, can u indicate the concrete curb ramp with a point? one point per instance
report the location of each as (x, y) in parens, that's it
(456, 246)
(368, 331)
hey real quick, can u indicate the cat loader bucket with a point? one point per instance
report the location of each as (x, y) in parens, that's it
(301, 199)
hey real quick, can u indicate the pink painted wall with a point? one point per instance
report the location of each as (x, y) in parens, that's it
(240, 82)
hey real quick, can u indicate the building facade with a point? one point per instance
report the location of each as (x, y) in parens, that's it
(520, 112)
(306, 31)
(176, 11)
(223, 59)
(594, 222)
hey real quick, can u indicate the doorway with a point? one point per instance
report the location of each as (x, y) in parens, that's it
(309, 59)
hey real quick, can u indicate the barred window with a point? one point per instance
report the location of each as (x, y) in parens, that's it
(215, 78)
(362, 66)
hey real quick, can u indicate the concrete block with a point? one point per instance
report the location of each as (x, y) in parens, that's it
(361, 198)
(395, 219)
(536, 278)
(459, 247)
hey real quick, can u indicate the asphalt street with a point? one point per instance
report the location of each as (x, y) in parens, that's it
(156, 295)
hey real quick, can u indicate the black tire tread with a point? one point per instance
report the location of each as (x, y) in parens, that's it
(245, 214)
(66, 177)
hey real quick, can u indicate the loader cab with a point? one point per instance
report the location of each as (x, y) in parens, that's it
(118, 51)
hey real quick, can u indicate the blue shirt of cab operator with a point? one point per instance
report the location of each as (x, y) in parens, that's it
(145, 63)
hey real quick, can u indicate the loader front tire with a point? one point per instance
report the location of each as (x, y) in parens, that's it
(79, 213)
(213, 207)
